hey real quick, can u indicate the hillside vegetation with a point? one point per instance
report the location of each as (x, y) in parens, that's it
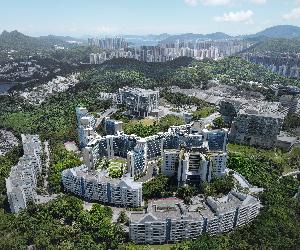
(17, 41)
(186, 72)
(276, 46)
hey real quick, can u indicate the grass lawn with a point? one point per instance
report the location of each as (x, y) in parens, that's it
(115, 165)
(116, 169)
(117, 161)
(203, 112)
(161, 247)
(146, 121)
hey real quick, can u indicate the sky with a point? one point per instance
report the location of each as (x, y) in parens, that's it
(119, 17)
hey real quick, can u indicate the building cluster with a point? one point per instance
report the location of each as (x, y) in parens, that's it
(201, 155)
(21, 71)
(155, 54)
(285, 64)
(192, 156)
(114, 43)
(165, 51)
(93, 184)
(291, 103)
(170, 220)
(289, 97)
(22, 181)
(253, 123)
(37, 95)
(224, 47)
(280, 90)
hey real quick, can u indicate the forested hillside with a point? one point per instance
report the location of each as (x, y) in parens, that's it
(17, 41)
(187, 72)
(276, 46)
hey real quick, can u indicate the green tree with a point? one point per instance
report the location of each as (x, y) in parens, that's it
(219, 123)
(123, 218)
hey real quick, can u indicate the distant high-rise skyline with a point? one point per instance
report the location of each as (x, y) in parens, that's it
(94, 17)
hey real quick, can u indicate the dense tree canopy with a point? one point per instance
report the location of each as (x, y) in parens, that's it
(61, 224)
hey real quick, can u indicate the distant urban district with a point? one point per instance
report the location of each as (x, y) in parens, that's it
(150, 142)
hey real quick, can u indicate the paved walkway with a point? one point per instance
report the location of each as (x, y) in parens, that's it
(290, 174)
(47, 164)
(208, 120)
(41, 199)
(105, 114)
(149, 174)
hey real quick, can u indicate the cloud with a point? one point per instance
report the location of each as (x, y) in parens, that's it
(294, 14)
(239, 16)
(191, 2)
(208, 2)
(222, 2)
(258, 1)
(216, 2)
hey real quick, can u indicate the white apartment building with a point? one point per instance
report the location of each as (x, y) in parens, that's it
(194, 167)
(170, 162)
(164, 221)
(170, 220)
(22, 181)
(97, 186)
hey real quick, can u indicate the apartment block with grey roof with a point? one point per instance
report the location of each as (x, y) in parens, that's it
(98, 186)
(164, 220)
(170, 220)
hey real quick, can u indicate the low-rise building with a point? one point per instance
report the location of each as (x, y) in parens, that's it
(97, 186)
(164, 220)
(286, 141)
(170, 220)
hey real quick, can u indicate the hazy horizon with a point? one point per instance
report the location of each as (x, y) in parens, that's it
(140, 17)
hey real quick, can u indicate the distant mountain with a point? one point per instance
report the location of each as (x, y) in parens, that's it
(193, 37)
(67, 39)
(146, 39)
(280, 31)
(218, 36)
(17, 41)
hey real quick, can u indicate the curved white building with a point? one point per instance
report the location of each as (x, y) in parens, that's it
(97, 186)
(170, 220)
